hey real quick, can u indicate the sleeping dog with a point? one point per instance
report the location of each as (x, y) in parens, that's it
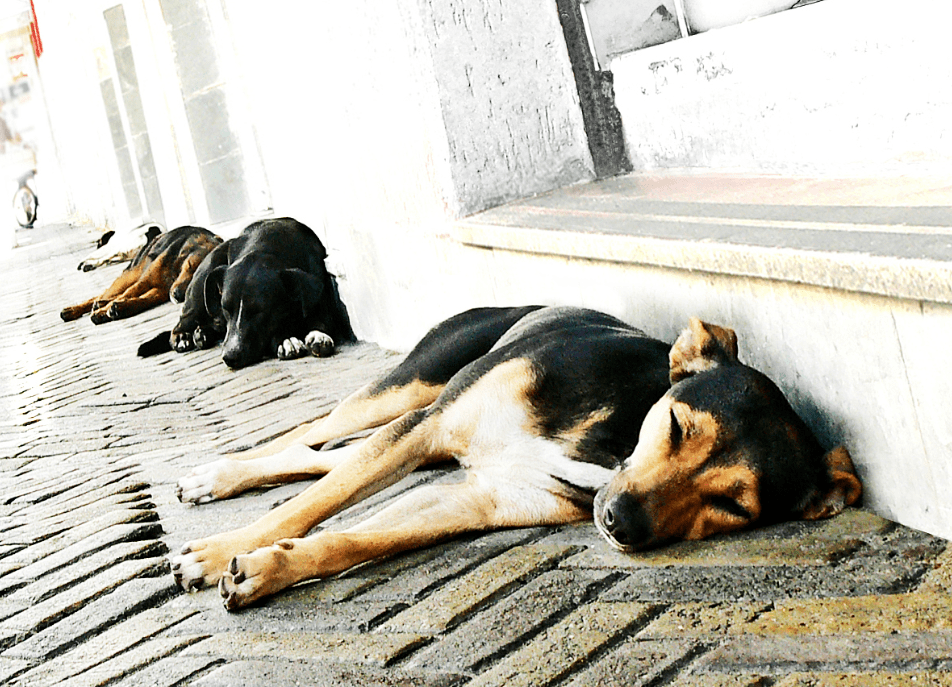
(160, 271)
(556, 414)
(120, 245)
(265, 293)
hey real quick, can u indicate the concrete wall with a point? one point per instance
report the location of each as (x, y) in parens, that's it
(375, 124)
(838, 87)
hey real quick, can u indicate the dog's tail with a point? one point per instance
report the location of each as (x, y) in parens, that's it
(160, 343)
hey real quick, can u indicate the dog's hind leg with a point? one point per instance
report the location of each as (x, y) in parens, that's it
(366, 408)
(125, 279)
(127, 306)
(421, 518)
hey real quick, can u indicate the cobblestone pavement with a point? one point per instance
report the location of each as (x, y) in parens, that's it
(94, 438)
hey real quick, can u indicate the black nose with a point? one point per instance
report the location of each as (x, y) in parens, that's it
(234, 359)
(626, 520)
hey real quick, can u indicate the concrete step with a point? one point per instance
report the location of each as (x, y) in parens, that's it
(881, 236)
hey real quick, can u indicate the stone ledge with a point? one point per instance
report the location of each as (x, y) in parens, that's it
(887, 250)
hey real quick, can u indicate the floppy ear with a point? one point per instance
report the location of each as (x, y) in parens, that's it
(152, 232)
(844, 488)
(305, 288)
(104, 239)
(701, 347)
(213, 286)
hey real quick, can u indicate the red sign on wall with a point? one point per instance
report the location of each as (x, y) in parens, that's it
(35, 33)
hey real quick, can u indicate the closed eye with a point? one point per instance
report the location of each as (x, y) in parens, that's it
(730, 506)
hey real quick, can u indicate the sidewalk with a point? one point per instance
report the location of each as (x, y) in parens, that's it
(94, 438)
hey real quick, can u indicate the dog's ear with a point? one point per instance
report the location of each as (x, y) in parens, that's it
(213, 286)
(843, 489)
(152, 232)
(701, 347)
(104, 239)
(304, 288)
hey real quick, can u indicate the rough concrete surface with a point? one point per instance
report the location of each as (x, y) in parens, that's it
(94, 439)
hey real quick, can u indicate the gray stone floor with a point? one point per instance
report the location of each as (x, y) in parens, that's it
(94, 438)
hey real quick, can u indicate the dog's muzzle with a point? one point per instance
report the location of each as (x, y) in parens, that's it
(622, 520)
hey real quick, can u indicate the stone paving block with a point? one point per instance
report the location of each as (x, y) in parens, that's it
(716, 680)
(75, 599)
(876, 679)
(441, 563)
(134, 595)
(38, 530)
(44, 485)
(102, 647)
(784, 654)
(748, 583)
(10, 667)
(7, 549)
(128, 662)
(896, 613)
(174, 671)
(139, 524)
(285, 674)
(372, 649)
(86, 507)
(269, 617)
(507, 622)
(123, 482)
(939, 578)
(462, 596)
(635, 662)
(565, 646)
(83, 568)
(720, 552)
(702, 620)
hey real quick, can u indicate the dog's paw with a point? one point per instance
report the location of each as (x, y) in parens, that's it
(200, 563)
(69, 314)
(182, 341)
(99, 316)
(254, 575)
(209, 482)
(205, 337)
(291, 348)
(117, 310)
(319, 344)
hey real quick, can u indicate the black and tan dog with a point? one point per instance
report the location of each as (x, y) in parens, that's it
(265, 293)
(554, 413)
(160, 271)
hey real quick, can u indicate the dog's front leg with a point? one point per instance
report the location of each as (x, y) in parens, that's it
(383, 459)
(421, 518)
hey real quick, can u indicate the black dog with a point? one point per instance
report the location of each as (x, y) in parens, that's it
(265, 293)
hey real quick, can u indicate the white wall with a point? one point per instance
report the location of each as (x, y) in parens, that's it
(371, 136)
(838, 87)
(376, 124)
(90, 186)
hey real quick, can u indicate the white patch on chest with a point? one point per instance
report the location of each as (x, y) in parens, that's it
(493, 422)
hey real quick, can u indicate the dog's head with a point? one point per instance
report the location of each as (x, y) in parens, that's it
(114, 247)
(261, 308)
(721, 451)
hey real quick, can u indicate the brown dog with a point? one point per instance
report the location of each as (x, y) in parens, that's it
(556, 414)
(160, 271)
